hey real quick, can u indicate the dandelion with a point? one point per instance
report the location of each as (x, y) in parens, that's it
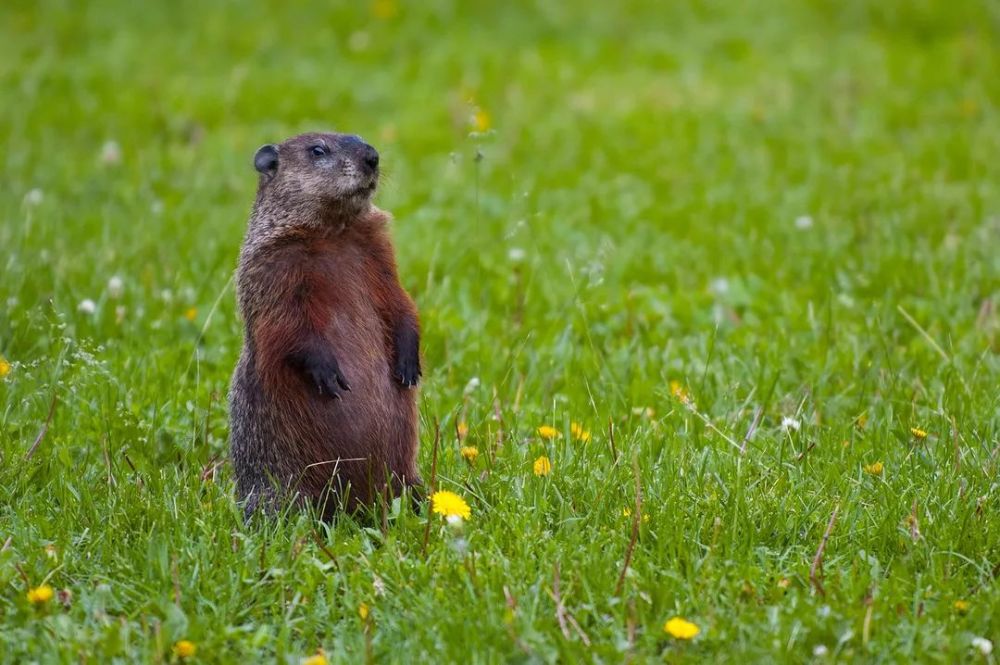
(4, 367)
(984, 645)
(542, 466)
(385, 9)
(548, 432)
(803, 222)
(185, 649)
(40, 594)
(678, 391)
(789, 424)
(874, 469)
(470, 453)
(448, 503)
(319, 658)
(116, 286)
(918, 433)
(462, 430)
(579, 433)
(680, 628)
(86, 306)
(191, 313)
(363, 611)
(961, 606)
(480, 121)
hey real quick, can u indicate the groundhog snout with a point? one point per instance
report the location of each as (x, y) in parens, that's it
(365, 155)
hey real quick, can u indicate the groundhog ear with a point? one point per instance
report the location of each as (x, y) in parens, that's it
(266, 159)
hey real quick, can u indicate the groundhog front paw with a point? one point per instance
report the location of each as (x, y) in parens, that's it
(327, 378)
(408, 371)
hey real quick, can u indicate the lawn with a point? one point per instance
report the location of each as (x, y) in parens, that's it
(744, 257)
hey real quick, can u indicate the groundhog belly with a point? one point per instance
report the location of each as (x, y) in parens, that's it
(368, 436)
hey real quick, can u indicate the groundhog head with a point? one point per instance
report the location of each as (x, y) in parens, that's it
(337, 171)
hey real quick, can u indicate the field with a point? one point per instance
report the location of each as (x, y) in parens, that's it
(742, 256)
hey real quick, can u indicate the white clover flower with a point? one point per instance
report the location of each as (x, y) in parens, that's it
(116, 286)
(719, 286)
(790, 424)
(820, 651)
(803, 222)
(111, 153)
(34, 197)
(359, 41)
(86, 306)
(516, 254)
(984, 645)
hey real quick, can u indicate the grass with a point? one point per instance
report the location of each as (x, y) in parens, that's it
(789, 208)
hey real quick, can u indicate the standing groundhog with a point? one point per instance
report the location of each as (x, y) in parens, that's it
(322, 404)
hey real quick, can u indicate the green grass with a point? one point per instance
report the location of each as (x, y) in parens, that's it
(649, 160)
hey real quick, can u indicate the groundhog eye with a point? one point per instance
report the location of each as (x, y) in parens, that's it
(319, 150)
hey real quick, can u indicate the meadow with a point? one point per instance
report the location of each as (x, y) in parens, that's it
(709, 297)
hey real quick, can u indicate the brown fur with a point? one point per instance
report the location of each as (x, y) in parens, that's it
(318, 288)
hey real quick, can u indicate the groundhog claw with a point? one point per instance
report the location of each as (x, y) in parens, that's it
(407, 372)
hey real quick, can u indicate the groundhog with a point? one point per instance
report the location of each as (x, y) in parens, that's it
(323, 403)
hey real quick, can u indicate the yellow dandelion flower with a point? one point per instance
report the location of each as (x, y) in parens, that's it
(40, 594)
(961, 606)
(917, 432)
(480, 121)
(191, 313)
(462, 430)
(385, 9)
(185, 649)
(681, 628)
(318, 659)
(548, 432)
(470, 453)
(677, 390)
(542, 466)
(579, 433)
(363, 611)
(4, 367)
(874, 469)
(627, 512)
(449, 504)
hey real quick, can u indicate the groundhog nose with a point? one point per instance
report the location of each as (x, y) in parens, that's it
(369, 156)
